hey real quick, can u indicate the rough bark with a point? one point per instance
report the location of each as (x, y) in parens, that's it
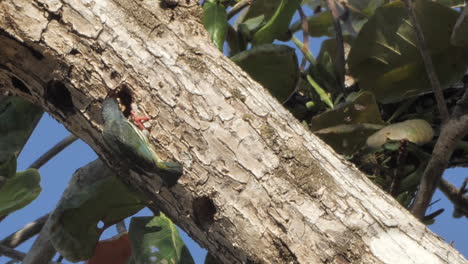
(258, 187)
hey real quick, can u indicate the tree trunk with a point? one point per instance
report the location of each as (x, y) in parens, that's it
(257, 187)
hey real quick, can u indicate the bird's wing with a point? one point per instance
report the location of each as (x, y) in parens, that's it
(125, 138)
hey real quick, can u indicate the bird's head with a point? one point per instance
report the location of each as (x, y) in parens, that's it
(110, 109)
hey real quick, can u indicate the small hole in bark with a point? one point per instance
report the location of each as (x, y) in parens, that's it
(59, 96)
(204, 210)
(17, 83)
(74, 51)
(114, 75)
(54, 16)
(97, 48)
(171, 4)
(125, 98)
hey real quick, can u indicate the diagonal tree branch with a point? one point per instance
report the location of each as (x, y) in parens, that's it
(24, 233)
(15, 254)
(53, 151)
(456, 196)
(451, 134)
(11, 253)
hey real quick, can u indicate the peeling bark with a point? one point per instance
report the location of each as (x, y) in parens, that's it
(258, 187)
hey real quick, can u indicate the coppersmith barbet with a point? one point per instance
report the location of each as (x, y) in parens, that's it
(130, 143)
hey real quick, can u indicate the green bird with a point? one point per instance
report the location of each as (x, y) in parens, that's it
(128, 141)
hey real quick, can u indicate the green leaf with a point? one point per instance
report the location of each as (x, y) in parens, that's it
(74, 232)
(346, 127)
(405, 198)
(156, 240)
(19, 191)
(320, 24)
(273, 66)
(386, 60)
(277, 25)
(323, 72)
(250, 26)
(417, 131)
(8, 167)
(265, 8)
(324, 96)
(411, 181)
(18, 118)
(215, 21)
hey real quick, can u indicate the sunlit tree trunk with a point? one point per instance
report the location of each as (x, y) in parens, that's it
(258, 187)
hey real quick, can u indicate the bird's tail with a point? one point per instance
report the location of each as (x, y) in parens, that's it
(170, 172)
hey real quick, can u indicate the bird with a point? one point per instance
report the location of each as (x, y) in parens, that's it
(123, 138)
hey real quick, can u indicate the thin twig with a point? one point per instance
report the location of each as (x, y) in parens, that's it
(340, 57)
(24, 233)
(238, 7)
(12, 253)
(425, 53)
(456, 196)
(431, 216)
(15, 254)
(53, 151)
(305, 36)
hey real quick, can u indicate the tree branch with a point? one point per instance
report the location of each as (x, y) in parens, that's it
(24, 233)
(456, 196)
(11, 253)
(53, 151)
(340, 54)
(305, 36)
(15, 254)
(426, 55)
(452, 132)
